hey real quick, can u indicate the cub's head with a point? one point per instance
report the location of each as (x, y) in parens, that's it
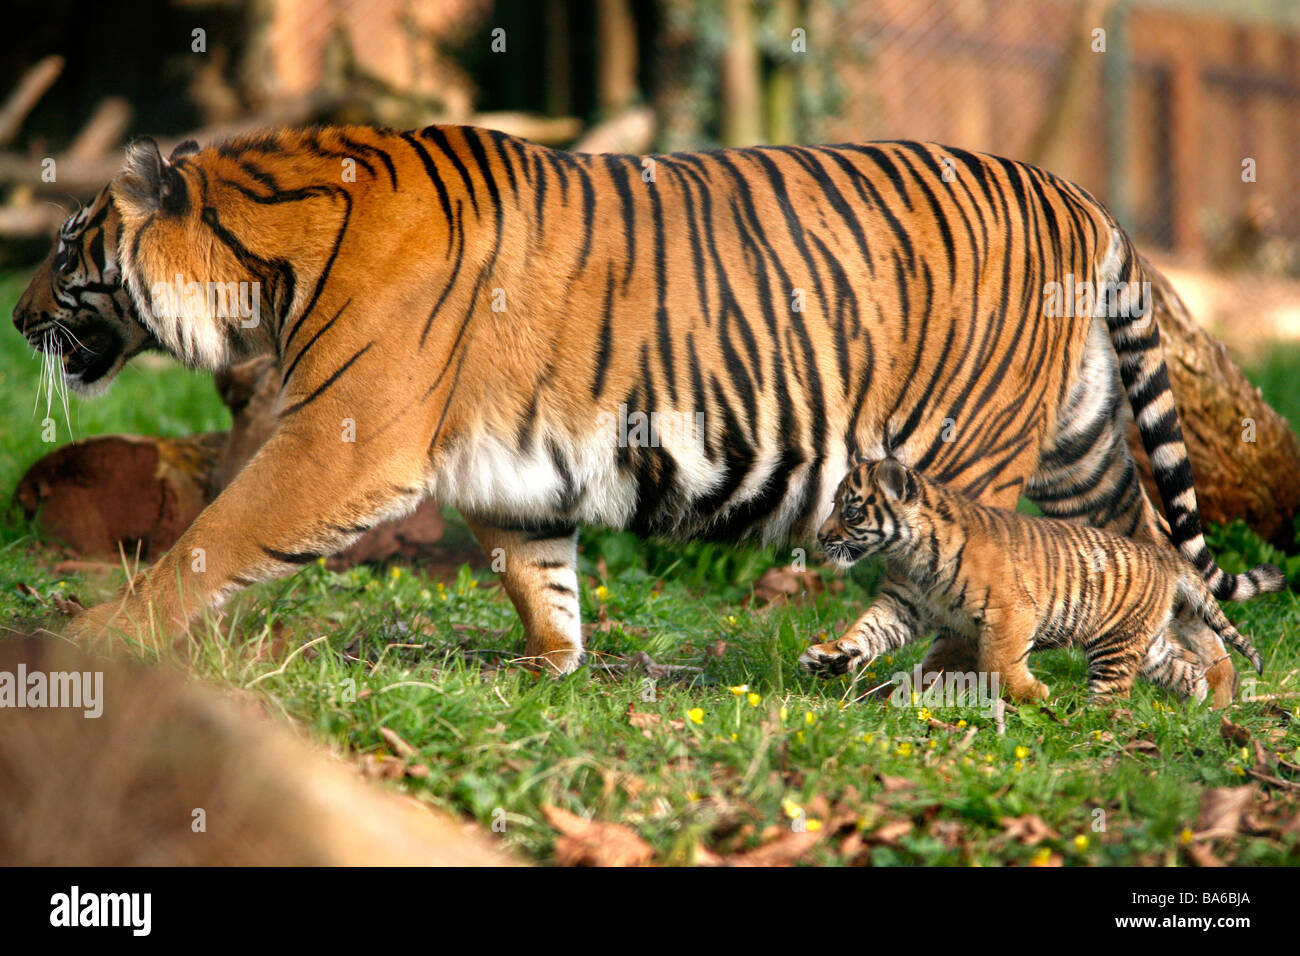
(76, 310)
(873, 513)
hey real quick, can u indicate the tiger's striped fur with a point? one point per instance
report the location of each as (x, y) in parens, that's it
(1014, 583)
(76, 305)
(475, 305)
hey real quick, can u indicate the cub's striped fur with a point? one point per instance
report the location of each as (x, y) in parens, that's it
(473, 310)
(1015, 583)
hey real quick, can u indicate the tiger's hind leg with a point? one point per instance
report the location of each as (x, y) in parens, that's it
(1113, 659)
(1005, 639)
(1087, 475)
(539, 569)
(1174, 667)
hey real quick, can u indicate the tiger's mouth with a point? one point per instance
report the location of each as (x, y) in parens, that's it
(85, 356)
(841, 552)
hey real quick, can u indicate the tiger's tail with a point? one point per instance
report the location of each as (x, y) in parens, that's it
(1198, 594)
(1125, 301)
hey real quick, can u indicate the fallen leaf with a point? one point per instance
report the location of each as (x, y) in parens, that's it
(1235, 734)
(1222, 809)
(781, 584)
(1029, 829)
(1202, 854)
(894, 784)
(590, 843)
(785, 850)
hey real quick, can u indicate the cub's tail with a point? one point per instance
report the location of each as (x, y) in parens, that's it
(1124, 299)
(1197, 592)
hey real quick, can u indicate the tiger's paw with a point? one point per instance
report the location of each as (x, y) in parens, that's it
(557, 661)
(834, 657)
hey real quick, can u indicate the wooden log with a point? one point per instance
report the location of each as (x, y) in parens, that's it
(1244, 455)
(26, 95)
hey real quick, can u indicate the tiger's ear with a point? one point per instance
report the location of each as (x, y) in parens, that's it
(894, 480)
(147, 182)
(187, 148)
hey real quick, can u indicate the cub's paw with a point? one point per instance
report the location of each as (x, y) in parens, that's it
(835, 657)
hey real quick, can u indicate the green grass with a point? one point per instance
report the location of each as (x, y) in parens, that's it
(703, 770)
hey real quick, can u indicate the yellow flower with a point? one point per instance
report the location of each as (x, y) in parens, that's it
(739, 689)
(923, 713)
(1022, 752)
(395, 572)
(1020, 765)
(1238, 771)
(602, 594)
(904, 749)
(988, 758)
(1081, 842)
(799, 736)
(813, 825)
(868, 738)
(783, 713)
(809, 718)
(961, 723)
(735, 737)
(791, 809)
(732, 620)
(321, 562)
(753, 699)
(1186, 835)
(695, 715)
(1042, 856)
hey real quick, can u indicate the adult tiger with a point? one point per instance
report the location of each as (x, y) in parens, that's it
(459, 310)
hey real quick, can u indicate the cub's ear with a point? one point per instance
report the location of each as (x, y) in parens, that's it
(188, 148)
(894, 480)
(147, 183)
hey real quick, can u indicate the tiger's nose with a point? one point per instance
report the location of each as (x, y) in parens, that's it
(22, 311)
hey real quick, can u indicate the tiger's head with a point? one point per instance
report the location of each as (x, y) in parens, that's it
(76, 310)
(874, 512)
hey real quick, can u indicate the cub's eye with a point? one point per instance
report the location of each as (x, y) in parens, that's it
(851, 513)
(65, 262)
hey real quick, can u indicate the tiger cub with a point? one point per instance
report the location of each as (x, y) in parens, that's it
(1013, 583)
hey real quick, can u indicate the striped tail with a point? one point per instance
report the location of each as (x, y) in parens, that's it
(1125, 301)
(1213, 615)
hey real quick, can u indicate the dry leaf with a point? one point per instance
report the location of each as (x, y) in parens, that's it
(1235, 734)
(786, 850)
(1029, 829)
(778, 585)
(1222, 809)
(1201, 854)
(895, 784)
(590, 843)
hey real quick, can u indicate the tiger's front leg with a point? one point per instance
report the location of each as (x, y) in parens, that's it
(539, 568)
(304, 495)
(890, 622)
